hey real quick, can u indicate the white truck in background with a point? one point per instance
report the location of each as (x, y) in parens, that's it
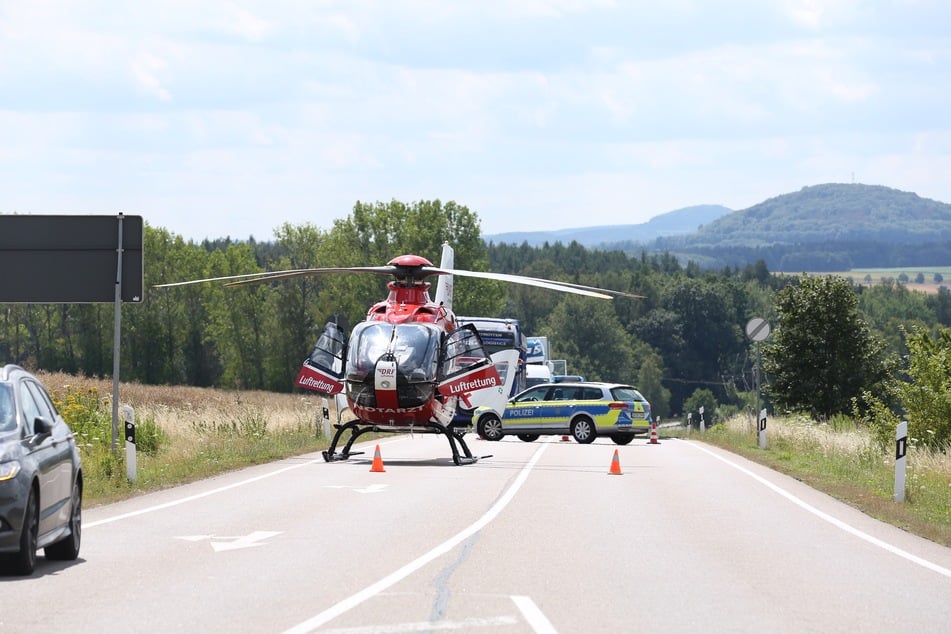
(538, 369)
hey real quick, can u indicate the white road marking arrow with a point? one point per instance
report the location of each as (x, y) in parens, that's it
(248, 541)
(373, 488)
(233, 543)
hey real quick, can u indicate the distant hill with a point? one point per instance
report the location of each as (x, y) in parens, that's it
(831, 227)
(673, 223)
(832, 212)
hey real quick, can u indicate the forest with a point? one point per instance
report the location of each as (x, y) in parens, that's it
(684, 337)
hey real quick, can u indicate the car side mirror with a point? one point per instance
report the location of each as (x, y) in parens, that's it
(42, 428)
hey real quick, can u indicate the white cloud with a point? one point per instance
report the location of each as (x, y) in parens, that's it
(538, 112)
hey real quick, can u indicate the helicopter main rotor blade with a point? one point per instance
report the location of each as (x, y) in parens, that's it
(534, 281)
(595, 288)
(285, 275)
(266, 276)
(214, 279)
(413, 272)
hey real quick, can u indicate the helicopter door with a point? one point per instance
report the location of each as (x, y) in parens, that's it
(323, 370)
(467, 366)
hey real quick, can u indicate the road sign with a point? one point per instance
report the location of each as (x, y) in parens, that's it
(757, 329)
(70, 259)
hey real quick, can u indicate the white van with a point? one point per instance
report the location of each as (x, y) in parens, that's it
(536, 373)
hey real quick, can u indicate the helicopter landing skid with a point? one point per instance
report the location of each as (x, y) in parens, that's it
(357, 429)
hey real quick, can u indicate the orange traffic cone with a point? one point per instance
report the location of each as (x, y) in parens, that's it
(615, 465)
(653, 440)
(377, 461)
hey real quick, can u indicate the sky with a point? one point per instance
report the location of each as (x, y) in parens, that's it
(229, 118)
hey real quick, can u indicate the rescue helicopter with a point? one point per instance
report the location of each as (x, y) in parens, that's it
(405, 368)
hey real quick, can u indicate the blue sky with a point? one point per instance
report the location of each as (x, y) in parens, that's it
(216, 118)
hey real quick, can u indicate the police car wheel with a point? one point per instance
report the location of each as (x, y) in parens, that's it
(622, 439)
(490, 427)
(583, 431)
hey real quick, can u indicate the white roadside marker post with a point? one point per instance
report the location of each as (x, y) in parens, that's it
(762, 428)
(130, 467)
(901, 449)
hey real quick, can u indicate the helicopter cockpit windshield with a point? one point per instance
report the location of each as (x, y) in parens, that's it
(414, 346)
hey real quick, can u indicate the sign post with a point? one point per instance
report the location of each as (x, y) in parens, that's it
(757, 329)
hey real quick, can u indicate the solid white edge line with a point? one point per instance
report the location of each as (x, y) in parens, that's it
(538, 621)
(374, 589)
(197, 496)
(828, 518)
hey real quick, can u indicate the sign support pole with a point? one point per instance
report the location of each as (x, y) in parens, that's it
(117, 324)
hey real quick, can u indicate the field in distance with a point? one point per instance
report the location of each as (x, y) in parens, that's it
(924, 279)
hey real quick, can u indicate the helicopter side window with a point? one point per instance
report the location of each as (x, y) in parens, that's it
(329, 350)
(464, 348)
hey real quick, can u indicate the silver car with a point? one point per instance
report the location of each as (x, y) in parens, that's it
(41, 480)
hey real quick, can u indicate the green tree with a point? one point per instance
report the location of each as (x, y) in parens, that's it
(823, 354)
(708, 335)
(701, 397)
(587, 334)
(296, 305)
(649, 382)
(374, 234)
(926, 396)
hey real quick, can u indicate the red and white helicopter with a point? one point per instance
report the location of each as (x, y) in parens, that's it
(405, 367)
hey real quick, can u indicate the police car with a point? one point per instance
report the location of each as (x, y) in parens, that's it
(584, 410)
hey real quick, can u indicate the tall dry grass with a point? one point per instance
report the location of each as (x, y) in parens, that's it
(180, 410)
(182, 433)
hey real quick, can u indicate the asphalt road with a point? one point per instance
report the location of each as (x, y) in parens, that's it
(540, 537)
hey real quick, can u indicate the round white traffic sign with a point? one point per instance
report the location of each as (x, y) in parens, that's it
(757, 329)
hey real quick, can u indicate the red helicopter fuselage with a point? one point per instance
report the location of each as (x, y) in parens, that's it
(407, 365)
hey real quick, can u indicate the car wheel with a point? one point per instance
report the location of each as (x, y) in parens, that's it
(622, 439)
(583, 431)
(528, 437)
(67, 548)
(490, 427)
(25, 561)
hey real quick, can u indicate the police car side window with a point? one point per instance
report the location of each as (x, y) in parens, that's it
(591, 394)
